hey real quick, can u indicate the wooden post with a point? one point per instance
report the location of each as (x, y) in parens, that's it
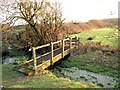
(65, 43)
(51, 53)
(76, 41)
(34, 58)
(70, 44)
(63, 48)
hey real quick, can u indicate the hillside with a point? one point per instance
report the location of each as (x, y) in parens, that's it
(67, 28)
(114, 21)
(76, 27)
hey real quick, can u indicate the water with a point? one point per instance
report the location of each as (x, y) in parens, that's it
(9, 60)
(85, 76)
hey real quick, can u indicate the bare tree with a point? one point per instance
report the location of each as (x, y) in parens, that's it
(43, 18)
(8, 12)
(7, 19)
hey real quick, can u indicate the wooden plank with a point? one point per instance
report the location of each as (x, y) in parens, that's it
(57, 58)
(51, 52)
(26, 62)
(66, 39)
(46, 45)
(73, 42)
(67, 52)
(53, 59)
(34, 58)
(57, 42)
(43, 55)
(78, 42)
(44, 64)
(56, 49)
(46, 53)
(40, 65)
(70, 44)
(73, 37)
(63, 48)
(67, 42)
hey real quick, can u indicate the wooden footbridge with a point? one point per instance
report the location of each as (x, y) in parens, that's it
(41, 62)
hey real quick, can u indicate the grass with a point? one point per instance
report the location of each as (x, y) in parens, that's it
(13, 79)
(89, 62)
(97, 61)
(107, 36)
(93, 61)
(9, 76)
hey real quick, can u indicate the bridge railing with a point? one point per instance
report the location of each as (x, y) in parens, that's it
(62, 43)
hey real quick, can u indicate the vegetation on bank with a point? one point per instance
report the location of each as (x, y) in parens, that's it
(104, 36)
(14, 79)
(94, 61)
(98, 53)
(43, 25)
(88, 58)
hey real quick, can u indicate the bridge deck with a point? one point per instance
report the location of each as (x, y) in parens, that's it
(43, 61)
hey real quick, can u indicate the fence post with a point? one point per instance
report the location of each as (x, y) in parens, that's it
(51, 52)
(63, 48)
(34, 58)
(70, 44)
(78, 42)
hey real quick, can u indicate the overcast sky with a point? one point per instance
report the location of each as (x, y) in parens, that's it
(84, 10)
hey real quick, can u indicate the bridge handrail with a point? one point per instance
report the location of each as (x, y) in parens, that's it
(71, 40)
(46, 45)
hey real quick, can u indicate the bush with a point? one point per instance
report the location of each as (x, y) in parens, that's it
(21, 60)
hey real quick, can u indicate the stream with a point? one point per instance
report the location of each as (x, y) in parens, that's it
(9, 60)
(81, 75)
(86, 76)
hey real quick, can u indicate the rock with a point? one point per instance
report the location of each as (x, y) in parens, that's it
(9, 60)
(94, 77)
(100, 84)
(109, 83)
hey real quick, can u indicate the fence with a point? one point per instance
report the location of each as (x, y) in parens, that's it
(64, 48)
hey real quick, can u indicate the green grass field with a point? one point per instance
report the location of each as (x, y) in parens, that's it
(107, 36)
(94, 61)
(13, 79)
